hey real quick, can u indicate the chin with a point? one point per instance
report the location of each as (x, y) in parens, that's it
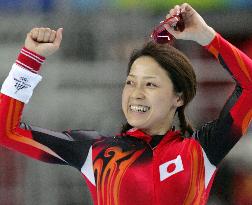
(137, 124)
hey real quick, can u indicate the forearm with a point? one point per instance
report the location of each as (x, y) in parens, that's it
(17, 90)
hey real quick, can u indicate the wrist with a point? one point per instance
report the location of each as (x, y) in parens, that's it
(206, 36)
(30, 60)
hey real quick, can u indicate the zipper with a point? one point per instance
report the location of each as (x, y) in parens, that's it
(155, 170)
(153, 174)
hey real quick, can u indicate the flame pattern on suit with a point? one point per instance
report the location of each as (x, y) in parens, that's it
(109, 169)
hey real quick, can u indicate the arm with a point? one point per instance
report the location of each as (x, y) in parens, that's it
(240, 67)
(53, 147)
(218, 137)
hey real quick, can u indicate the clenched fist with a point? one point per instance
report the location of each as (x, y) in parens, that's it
(43, 41)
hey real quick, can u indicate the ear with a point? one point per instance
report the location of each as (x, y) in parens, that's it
(179, 100)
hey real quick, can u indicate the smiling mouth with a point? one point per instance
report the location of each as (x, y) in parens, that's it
(139, 108)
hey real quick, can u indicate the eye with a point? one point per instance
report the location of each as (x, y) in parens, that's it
(129, 82)
(150, 84)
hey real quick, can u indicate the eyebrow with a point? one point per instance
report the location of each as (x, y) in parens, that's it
(146, 77)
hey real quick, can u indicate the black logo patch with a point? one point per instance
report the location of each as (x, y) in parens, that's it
(21, 83)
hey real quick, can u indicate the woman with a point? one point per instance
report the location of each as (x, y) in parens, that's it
(150, 162)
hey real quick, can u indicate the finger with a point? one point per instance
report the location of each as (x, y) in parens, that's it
(47, 35)
(34, 33)
(176, 10)
(186, 7)
(41, 33)
(187, 10)
(172, 12)
(52, 36)
(58, 38)
(183, 7)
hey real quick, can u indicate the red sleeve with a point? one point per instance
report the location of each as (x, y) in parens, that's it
(12, 135)
(219, 136)
(18, 139)
(240, 67)
(68, 147)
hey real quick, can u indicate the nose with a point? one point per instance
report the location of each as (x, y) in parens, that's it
(138, 93)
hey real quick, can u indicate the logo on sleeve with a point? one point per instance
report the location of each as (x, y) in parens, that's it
(170, 168)
(21, 83)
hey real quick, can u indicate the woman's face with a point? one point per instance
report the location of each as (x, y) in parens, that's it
(148, 100)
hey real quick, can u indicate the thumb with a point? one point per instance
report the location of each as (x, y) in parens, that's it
(58, 38)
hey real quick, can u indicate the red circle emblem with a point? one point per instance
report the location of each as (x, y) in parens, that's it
(171, 167)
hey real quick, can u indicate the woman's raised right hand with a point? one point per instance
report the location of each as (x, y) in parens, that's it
(196, 28)
(44, 41)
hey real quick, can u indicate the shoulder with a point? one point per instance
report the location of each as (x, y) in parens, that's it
(79, 135)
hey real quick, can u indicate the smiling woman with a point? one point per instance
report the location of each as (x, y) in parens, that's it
(150, 162)
(147, 91)
(166, 79)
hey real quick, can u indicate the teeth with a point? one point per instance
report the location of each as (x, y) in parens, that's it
(139, 108)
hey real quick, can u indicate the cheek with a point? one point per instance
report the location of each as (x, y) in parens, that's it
(163, 102)
(124, 99)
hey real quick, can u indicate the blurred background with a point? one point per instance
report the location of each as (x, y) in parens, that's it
(82, 85)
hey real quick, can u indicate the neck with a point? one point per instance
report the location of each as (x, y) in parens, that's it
(152, 132)
(162, 127)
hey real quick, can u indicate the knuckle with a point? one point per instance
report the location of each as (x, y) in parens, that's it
(177, 7)
(31, 32)
(47, 30)
(185, 4)
(42, 30)
(34, 29)
(53, 33)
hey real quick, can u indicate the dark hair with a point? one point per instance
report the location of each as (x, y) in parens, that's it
(180, 71)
